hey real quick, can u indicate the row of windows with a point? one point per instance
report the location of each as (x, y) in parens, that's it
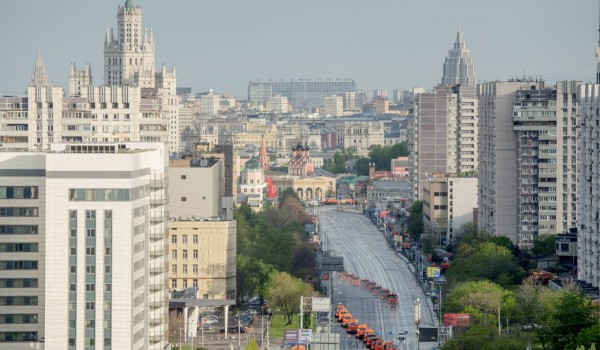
(18, 247)
(108, 194)
(89, 342)
(18, 318)
(18, 300)
(19, 192)
(18, 282)
(184, 268)
(184, 254)
(18, 211)
(19, 229)
(90, 251)
(18, 336)
(19, 265)
(184, 284)
(184, 239)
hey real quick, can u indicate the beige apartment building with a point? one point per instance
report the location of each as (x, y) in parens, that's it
(448, 203)
(202, 255)
(202, 231)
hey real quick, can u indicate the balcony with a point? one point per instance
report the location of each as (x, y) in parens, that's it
(159, 200)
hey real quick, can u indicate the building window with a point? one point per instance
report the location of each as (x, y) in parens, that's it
(183, 177)
(173, 283)
(89, 251)
(89, 305)
(184, 253)
(184, 283)
(107, 269)
(183, 199)
(184, 239)
(174, 239)
(90, 287)
(195, 253)
(174, 253)
(173, 268)
(72, 287)
(195, 239)
(107, 251)
(90, 269)
(195, 283)
(72, 269)
(184, 268)
(73, 251)
(195, 268)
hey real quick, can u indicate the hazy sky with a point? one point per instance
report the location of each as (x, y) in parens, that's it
(381, 44)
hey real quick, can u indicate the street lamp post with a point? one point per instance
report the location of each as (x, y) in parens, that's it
(417, 318)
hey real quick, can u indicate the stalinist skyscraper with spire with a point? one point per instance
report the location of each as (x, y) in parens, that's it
(129, 53)
(458, 67)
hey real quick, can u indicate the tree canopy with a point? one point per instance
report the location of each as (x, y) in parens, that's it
(284, 292)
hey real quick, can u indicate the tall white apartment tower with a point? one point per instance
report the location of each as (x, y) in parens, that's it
(444, 135)
(82, 247)
(498, 166)
(588, 176)
(458, 67)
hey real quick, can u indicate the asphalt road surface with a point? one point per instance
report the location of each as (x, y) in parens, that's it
(366, 254)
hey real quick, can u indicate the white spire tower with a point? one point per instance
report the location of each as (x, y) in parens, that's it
(458, 67)
(39, 76)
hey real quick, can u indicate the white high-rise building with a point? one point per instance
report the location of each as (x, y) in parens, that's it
(83, 231)
(588, 176)
(278, 104)
(444, 133)
(458, 67)
(498, 157)
(333, 105)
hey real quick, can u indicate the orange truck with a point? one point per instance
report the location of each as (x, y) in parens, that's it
(346, 319)
(392, 299)
(353, 327)
(360, 330)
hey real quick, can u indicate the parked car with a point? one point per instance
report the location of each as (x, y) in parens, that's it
(209, 319)
(233, 330)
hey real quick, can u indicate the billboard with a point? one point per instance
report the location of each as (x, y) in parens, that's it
(457, 320)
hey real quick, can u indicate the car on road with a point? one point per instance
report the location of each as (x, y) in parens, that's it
(233, 330)
(209, 319)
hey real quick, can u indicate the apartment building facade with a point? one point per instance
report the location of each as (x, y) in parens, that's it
(83, 247)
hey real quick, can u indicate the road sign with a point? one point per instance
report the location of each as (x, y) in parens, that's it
(428, 335)
(332, 263)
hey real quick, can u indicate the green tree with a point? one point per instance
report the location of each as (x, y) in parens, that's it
(304, 263)
(589, 338)
(284, 292)
(544, 245)
(415, 220)
(362, 166)
(485, 261)
(572, 314)
(252, 276)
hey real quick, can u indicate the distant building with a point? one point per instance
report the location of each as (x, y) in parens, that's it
(380, 93)
(253, 185)
(458, 66)
(278, 104)
(303, 94)
(401, 167)
(333, 105)
(448, 203)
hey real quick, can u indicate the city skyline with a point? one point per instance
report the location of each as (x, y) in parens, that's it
(224, 46)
